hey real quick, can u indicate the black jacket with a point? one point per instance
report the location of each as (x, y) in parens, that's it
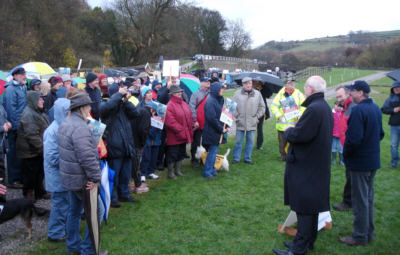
(388, 108)
(141, 127)
(116, 114)
(308, 166)
(49, 100)
(95, 96)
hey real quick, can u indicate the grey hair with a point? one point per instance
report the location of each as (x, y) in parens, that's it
(317, 82)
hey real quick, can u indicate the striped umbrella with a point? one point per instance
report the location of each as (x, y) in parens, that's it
(189, 84)
(38, 70)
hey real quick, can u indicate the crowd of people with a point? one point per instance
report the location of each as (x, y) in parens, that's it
(50, 142)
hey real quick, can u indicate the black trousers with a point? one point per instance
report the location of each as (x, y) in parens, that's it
(136, 168)
(2, 166)
(162, 150)
(33, 175)
(347, 189)
(260, 134)
(307, 230)
(196, 142)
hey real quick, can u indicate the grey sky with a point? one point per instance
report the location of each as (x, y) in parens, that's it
(268, 20)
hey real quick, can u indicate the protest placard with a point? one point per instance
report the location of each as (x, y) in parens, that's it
(290, 109)
(158, 121)
(228, 112)
(97, 128)
(171, 68)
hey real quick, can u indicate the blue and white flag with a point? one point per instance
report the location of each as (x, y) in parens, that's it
(107, 183)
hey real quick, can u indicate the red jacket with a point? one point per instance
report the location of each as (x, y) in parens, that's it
(178, 122)
(337, 115)
(348, 104)
(200, 114)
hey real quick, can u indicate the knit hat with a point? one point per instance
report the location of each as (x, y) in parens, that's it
(79, 100)
(90, 77)
(144, 90)
(54, 80)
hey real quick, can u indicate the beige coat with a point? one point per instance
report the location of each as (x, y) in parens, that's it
(250, 107)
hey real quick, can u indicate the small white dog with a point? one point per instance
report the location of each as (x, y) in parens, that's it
(221, 161)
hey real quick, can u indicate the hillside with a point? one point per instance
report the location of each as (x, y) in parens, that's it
(326, 43)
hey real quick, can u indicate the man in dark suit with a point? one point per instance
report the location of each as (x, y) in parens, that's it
(307, 175)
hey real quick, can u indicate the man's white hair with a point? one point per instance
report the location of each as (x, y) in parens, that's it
(317, 82)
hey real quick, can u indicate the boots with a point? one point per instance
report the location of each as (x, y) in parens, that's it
(341, 159)
(178, 165)
(333, 158)
(171, 174)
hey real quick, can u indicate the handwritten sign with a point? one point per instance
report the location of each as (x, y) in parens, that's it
(171, 68)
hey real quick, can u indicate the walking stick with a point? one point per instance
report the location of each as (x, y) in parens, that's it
(222, 135)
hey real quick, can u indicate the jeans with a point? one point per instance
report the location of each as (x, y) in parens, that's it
(14, 164)
(209, 169)
(123, 169)
(336, 145)
(149, 160)
(362, 193)
(73, 241)
(58, 215)
(260, 134)
(394, 143)
(237, 150)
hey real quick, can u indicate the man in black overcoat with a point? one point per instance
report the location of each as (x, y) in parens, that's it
(307, 175)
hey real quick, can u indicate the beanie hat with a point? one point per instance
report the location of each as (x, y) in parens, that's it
(113, 89)
(90, 77)
(145, 89)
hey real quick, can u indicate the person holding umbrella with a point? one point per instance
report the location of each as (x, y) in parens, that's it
(79, 169)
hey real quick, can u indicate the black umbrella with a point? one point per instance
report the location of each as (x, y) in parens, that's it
(395, 75)
(89, 198)
(270, 80)
(114, 73)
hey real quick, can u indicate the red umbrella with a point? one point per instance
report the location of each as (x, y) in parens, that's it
(2, 88)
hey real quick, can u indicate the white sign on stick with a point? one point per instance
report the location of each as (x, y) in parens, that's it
(171, 68)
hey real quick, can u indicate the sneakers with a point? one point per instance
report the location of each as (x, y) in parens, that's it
(153, 176)
(143, 178)
(141, 189)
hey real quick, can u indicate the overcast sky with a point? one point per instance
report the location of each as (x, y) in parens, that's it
(268, 20)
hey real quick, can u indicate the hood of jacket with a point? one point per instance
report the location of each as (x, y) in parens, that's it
(214, 90)
(61, 108)
(32, 99)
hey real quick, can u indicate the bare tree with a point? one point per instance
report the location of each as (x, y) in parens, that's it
(237, 40)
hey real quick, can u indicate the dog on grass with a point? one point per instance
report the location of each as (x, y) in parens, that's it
(221, 161)
(23, 207)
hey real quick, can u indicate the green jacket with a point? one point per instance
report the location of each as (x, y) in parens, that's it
(31, 127)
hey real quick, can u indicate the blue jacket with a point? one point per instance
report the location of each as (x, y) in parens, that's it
(361, 149)
(14, 101)
(50, 147)
(212, 112)
(3, 119)
(154, 136)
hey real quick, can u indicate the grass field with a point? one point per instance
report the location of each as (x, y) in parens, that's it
(239, 211)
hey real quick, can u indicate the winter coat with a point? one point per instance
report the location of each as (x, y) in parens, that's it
(50, 147)
(95, 96)
(361, 149)
(178, 122)
(336, 122)
(3, 119)
(51, 97)
(14, 101)
(250, 107)
(31, 127)
(213, 127)
(116, 114)
(308, 171)
(348, 105)
(388, 108)
(79, 157)
(277, 108)
(196, 104)
(141, 127)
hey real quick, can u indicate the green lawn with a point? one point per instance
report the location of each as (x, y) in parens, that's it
(239, 211)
